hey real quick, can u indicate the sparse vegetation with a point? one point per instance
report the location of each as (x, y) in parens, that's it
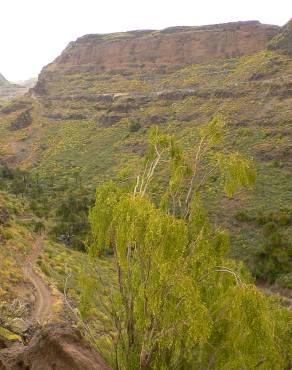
(134, 126)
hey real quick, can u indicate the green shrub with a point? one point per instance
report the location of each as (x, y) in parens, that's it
(134, 126)
(274, 257)
(242, 216)
(285, 281)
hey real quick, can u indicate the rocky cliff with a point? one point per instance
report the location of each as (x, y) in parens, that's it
(175, 46)
(158, 51)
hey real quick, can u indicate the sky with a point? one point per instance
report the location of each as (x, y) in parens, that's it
(34, 32)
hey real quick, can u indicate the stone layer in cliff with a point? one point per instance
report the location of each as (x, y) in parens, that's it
(175, 46)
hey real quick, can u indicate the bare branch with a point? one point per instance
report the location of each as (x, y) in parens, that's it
(222, 269)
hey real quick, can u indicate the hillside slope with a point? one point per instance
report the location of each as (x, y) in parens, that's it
(18, 293)
(89, 113)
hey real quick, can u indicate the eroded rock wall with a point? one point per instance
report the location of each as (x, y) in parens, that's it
(177, 45)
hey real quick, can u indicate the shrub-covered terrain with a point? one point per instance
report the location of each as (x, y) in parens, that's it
(88, 128)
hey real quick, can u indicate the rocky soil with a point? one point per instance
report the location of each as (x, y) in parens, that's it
(54, 347)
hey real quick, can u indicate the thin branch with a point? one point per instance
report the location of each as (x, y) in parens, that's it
(137, 184)
(207, 174)
(151, 171)
(194, 175)
(222, 269)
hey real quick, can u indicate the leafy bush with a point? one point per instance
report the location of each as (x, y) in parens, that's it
(274, 257)
(285, 281)
(134, 126)
(242, 216)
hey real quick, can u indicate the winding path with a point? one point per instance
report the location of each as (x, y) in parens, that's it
(43, 296)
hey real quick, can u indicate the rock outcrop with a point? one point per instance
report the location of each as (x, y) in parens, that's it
(177, 45)
(173, 47)
(22, 121)
(54, 347)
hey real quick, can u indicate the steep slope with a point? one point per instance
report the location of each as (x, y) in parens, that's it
(55, 346)
(172, 46)
(283, 40)
(90, 110)
(9, 90)
(18, 291)
(33, 269)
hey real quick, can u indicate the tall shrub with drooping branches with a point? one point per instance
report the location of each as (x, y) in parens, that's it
(179, 302)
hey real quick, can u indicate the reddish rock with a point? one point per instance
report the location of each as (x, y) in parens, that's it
(54, 347)
(175, 46)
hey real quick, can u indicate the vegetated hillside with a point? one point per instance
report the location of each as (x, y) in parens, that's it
(17, 243)
(34, 270)
(32, 276)
(88, 116)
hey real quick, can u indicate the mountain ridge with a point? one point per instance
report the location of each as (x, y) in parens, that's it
(9, 90)
(174, 46)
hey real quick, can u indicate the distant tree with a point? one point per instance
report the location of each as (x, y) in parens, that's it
(72, 223)
(274, 257)
(6, 172)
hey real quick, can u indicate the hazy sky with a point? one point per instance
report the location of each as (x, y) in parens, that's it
(34, 32)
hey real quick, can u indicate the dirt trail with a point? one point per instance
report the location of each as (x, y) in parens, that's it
(43, 296)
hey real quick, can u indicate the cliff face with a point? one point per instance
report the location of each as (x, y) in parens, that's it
(172, 46)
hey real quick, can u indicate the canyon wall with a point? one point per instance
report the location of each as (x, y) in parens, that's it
(172, 46)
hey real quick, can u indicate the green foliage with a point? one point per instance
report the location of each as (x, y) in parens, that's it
(235, 172)
(179, 302)
(72, 226)
(134, 126)
(242, 216)
(275, 256)
(9, 335)
(65, 204)
(285, 280)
